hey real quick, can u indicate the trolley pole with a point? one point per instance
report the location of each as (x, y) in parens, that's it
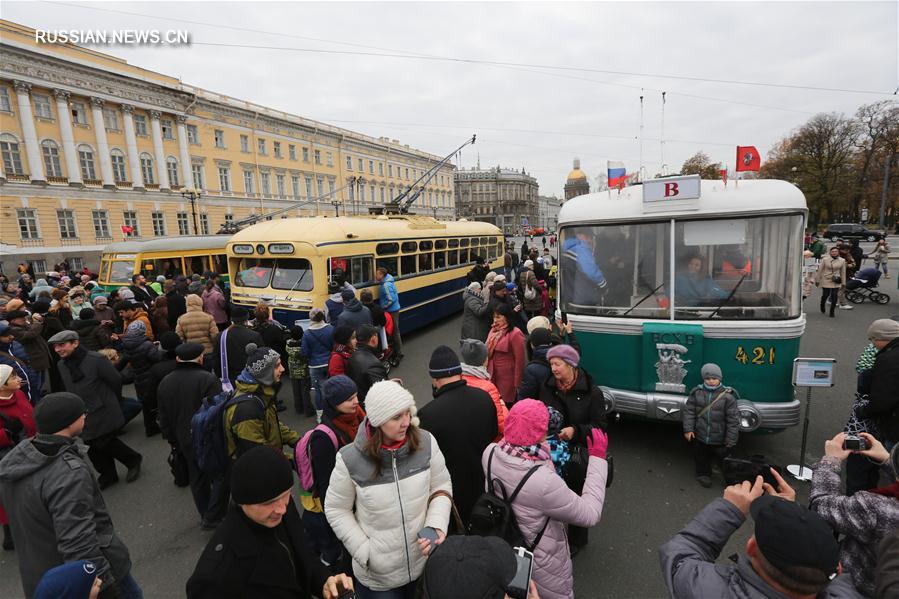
(193, 195)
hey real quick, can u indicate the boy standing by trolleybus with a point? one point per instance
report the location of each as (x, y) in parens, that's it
(711, 422)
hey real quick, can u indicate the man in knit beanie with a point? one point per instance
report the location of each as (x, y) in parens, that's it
(262, 533)
(252, 417)
(463, 420)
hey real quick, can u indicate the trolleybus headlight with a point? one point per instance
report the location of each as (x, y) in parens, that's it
(750, 418)
(260, 249)
(280, 248)
(242, 248)
(609, 400)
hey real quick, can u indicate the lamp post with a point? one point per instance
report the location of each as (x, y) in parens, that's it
(336, 204)
(193, 195)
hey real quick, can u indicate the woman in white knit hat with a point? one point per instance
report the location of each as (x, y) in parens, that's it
(386, 487)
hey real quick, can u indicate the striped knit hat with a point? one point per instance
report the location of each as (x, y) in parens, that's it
(444, 363)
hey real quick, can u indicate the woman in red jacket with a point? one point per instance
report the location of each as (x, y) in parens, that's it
(16, 424)
(344, 346)
(506, 354)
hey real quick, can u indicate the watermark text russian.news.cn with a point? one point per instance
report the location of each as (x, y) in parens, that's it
(99, 37)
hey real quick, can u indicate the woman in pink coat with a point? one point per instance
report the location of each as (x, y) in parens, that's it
(545, 502)
(214, 305)
(506, 354)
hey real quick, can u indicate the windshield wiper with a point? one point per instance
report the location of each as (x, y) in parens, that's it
(645, 297)
(292, 289)
(729, 295)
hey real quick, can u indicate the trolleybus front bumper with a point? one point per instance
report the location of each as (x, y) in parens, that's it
(666, 406)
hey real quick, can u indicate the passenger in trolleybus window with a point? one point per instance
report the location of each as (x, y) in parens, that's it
(694, 286)
(589, 281)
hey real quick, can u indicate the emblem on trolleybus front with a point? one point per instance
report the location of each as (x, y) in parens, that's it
(670, 367)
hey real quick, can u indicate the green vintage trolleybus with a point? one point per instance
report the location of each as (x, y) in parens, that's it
(661, 278)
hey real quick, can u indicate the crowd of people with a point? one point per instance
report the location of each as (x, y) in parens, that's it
(394, 502)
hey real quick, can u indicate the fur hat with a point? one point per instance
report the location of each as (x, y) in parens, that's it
(386, 399)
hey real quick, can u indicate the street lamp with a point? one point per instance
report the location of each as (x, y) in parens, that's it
(193, 195)
(336, 204)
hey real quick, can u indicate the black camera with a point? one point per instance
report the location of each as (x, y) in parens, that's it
(855, 443)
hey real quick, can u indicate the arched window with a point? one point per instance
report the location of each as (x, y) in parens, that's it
(50, 151)
(12, 158)
(118, 166)
(171, 165)
(146, 169)
(86, 160)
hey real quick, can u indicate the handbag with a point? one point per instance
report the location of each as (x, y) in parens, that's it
(576, 468)
(456, 524)
(178, 466)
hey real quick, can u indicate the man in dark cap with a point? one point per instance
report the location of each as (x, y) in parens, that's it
(463, 420)
(260, 549)
(793, 553)
(486, 564)
(180, 394)
(57, 513)
(92, 377)
(229, 354)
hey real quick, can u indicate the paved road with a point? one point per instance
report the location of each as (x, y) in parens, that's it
(653, 495)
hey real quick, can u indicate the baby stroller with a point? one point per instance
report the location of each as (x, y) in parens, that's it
(862, 286)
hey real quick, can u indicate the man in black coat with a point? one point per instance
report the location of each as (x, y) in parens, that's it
(142, 294)
(260, 549)
(180, 394)
(176, 297)
(463, 420)
(883, 390)
(365, 366)
(237, 336)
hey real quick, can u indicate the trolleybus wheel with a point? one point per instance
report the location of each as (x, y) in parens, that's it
(855, 297)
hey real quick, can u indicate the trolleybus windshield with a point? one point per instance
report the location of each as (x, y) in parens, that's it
(282, 273)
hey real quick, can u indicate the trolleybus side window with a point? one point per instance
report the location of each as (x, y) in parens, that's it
(408, 265)
(454, 243)
(409, 247)
(453, 257)
(196, 264)
(292, 273)
(220, 264)
(463, 255)
(390, 263)
(387, 248)
(168, 267)
(424, 262)
(358, 269)
(439, 260)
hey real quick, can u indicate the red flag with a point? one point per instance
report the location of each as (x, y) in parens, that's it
(126, 229)
(724, 175)
(748, 159)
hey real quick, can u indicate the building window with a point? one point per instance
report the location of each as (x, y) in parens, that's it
(118, 166)
(219, 138)
(27, 223)
(331, 187)
(292, 151)
(168, 131)
(171, 167)
(279, 182)
(407, 173)
(130, 220)
(261, 144)
(224, 178)
(204, 223)
(193, 136)
(12, 158)
(276, 148)
(382, 195)
(248, 182)
(110, 119)
(372, 196)
(389, 170)
(309, 188)
(330, 159)
(86, 159)
(101, 224)
(245, 144)
(229, 218)
(305, 154)
(76, 263)
(196, 171)
(318, 156)
(349, 163)
(266, 184)
(320, 186)
(295, 181)
(381, 169)
(146, 169)
(351, 193)
(371, 167)
(42, 106)
(51, 158)
(140, 124)
(183, 228)
(158, 224)
(79, 113)
(5, 106)
(39, 265)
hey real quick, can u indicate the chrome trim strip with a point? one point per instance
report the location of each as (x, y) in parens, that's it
(712, 329)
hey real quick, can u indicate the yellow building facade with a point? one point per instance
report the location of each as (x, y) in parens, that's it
(91, 144)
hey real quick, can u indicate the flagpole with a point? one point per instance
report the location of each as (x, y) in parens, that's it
(662, 138)
(640, 171)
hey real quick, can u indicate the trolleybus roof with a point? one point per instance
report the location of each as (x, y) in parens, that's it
(175, 244)
(749, 197)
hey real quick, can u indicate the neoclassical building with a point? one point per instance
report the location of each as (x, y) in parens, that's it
(502, 196)
(576, 184)
(93, 146)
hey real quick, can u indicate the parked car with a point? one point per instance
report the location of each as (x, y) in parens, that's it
(852, 231)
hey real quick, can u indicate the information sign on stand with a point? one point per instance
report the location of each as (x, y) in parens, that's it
(809, 373)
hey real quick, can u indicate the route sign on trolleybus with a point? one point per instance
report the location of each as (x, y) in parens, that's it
(666, 276)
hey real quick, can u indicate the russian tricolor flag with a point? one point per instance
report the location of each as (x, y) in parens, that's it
(617, 174)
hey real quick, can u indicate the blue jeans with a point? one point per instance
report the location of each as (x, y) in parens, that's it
(128, 588)
(318, 375)
(406, 591)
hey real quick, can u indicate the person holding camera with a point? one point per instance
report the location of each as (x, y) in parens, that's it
(863, 519)
(830, 278)
(711, 422)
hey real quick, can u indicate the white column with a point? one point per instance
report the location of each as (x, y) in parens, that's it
(29, 133)
(102, 143)
(73, 168)
(137, 182)
(186, 173)
(157, 149)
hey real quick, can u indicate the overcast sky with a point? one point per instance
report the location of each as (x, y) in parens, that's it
(530, 117)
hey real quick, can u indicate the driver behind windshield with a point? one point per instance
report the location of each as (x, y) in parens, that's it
(695, 287)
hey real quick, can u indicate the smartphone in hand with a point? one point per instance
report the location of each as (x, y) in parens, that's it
(428, 533)
(518, 588)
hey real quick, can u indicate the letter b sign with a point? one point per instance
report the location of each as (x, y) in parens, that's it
(671, 190)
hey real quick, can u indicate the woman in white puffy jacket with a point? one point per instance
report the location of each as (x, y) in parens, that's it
(382, 494)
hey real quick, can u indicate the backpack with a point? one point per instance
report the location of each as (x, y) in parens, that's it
(303, 459)
(492, 515)
(207, 432)
(530, 294)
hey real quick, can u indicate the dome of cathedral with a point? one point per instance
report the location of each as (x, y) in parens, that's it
(576, 173)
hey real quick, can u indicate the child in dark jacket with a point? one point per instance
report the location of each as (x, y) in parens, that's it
(299, 373)
(711, 422)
